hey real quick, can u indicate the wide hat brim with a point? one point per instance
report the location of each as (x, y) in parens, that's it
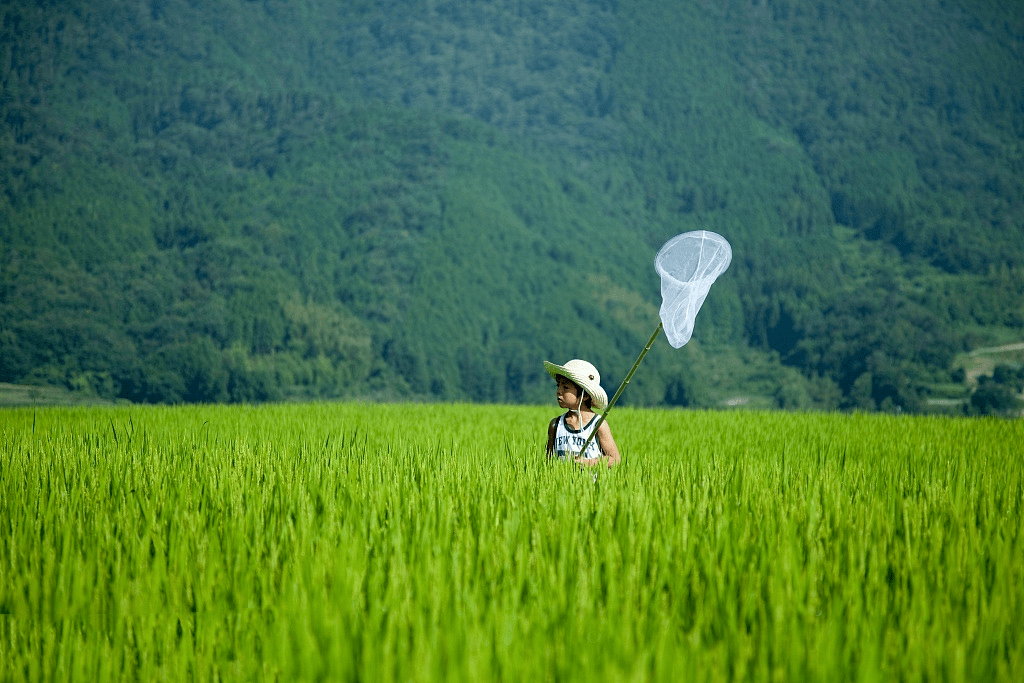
(585, 375)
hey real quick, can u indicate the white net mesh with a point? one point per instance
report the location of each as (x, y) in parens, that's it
(688, 264)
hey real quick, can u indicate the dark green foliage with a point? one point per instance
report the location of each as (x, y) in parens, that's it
(260, 201)
(1011, 377)
(998, 393)
(684, 388)
(992, 398)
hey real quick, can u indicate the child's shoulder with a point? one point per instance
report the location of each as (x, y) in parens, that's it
(553, 424)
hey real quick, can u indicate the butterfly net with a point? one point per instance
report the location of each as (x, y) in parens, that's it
(688, 265)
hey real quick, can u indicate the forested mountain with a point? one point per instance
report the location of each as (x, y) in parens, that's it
(247, 201)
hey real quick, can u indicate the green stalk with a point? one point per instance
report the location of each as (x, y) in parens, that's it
(650, 342)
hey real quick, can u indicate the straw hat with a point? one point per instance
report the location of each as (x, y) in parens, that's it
(585, 375)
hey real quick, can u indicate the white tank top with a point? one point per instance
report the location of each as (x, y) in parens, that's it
(569, 441)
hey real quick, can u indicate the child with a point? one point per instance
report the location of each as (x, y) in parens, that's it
(579, 392)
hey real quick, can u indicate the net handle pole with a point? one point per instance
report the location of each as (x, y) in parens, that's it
(629, 376)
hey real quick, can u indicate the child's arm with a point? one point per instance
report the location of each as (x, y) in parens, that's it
(552, 426)
(611, 451)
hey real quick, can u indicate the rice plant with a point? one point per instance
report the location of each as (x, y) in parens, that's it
(373, 542)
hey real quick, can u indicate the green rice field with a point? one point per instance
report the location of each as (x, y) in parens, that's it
(345, 542)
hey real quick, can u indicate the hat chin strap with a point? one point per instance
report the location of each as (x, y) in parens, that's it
(579, 411)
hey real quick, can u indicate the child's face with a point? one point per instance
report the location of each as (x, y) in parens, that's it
(568, 393)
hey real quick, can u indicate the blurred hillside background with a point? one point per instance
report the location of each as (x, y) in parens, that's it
(422, 200)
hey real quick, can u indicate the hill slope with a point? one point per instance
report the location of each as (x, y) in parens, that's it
(269, 200)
